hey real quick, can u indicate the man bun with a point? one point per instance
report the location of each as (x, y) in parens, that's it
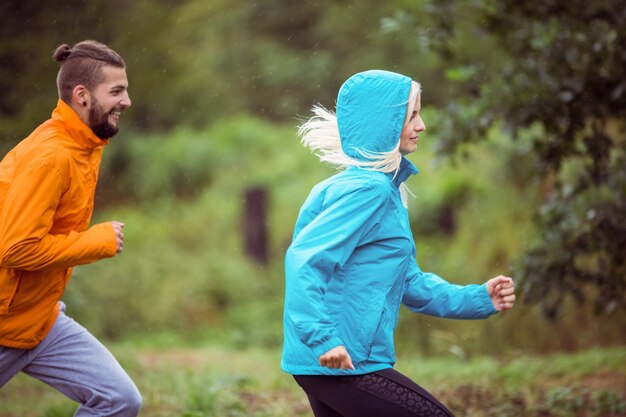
(62, 53)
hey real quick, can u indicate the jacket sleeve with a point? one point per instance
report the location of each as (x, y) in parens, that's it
(26, 218)
(430, 294)
(322, 246)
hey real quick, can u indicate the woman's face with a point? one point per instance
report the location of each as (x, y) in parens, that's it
(411, 129)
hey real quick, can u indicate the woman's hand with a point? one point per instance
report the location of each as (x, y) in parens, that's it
(501, 289)
(337, 357)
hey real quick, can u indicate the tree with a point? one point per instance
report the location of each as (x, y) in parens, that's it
(558, 73)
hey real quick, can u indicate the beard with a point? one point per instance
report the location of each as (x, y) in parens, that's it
(99, 122)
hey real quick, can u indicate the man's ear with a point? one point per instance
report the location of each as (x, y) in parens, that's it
(81, 96)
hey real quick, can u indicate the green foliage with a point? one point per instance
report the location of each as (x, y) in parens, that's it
(210, 397)
(608, 402)
(235, 153)
(584, 239)
(577, 103)
(574, 400)
(525, 386)
(565, 401)
(553, 73)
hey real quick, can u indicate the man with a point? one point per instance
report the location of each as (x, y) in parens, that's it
(47, 186)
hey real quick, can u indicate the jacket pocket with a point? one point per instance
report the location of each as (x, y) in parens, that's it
(369, 323)
(9, 285)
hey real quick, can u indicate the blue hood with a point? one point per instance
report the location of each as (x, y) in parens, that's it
(371, 108)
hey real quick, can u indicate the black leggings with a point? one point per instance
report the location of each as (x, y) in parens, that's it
(385, 393)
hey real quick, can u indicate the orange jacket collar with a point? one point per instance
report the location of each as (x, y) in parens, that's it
(78, 130)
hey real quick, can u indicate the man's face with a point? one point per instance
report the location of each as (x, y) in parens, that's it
(109, 99)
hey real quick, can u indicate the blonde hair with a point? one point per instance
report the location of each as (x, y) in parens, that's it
(320, 134)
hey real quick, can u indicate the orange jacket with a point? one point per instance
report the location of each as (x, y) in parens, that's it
(47, 186)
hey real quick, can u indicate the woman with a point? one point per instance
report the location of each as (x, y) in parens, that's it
(352, 259)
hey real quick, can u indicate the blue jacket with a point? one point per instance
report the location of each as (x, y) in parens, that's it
(350, 266)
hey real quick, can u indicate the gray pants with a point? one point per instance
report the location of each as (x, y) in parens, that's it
(74, 362)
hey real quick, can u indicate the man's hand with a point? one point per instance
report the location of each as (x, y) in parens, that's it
(501, 289)
(118, 228)
(337, 357)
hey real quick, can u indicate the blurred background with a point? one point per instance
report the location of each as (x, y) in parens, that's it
(523, 168)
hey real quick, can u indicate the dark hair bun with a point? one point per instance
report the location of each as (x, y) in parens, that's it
(62, 53)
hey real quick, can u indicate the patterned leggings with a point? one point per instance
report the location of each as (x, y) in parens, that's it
(385, 393)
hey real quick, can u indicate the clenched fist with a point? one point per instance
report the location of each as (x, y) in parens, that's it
(337, 357)
(118, 228)
(501, 289)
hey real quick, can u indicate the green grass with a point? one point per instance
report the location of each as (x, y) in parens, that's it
(213, 380)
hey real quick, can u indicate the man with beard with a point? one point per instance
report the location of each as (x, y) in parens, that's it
(47, 186)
